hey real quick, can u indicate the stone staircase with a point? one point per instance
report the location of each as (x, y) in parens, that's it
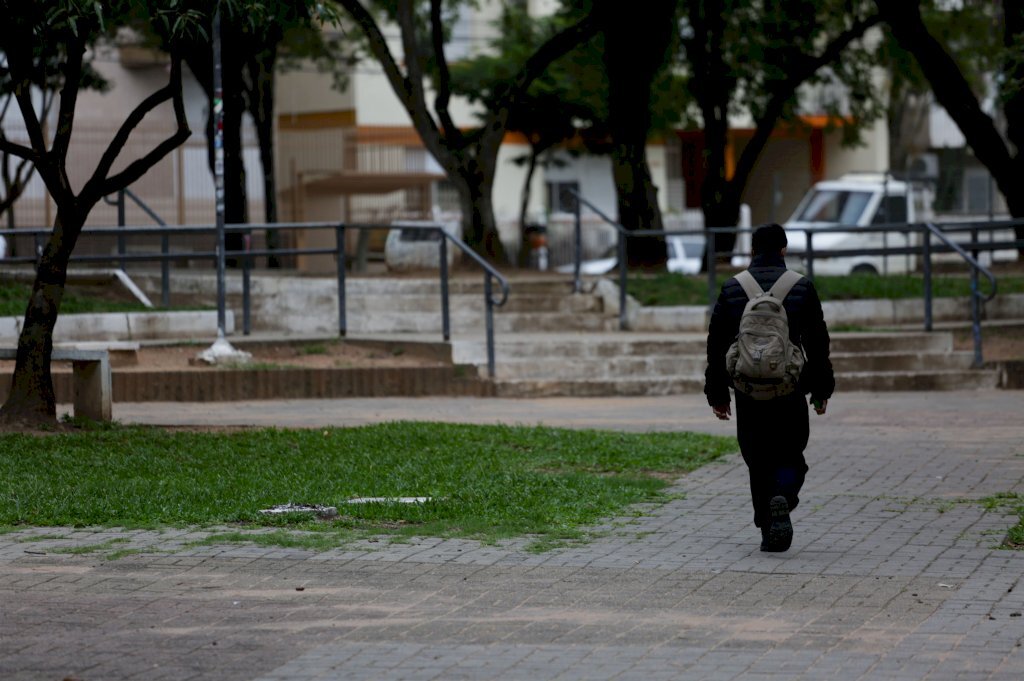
(551, 342)
(648, 364)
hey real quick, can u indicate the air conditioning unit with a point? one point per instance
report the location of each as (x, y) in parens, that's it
(923, 166)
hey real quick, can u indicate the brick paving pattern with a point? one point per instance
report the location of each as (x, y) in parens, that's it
(894, 573)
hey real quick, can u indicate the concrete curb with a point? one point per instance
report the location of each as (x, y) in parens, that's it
(127, 326)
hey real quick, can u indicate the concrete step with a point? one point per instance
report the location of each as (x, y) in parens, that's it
(936, 341)
(553, 368)
(515, 322)
(419, 302)
(626, 387)
(673, 385)
(860, 362)
(970, 379)
(562, 346)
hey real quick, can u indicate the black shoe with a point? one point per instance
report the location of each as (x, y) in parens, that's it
(779, 535)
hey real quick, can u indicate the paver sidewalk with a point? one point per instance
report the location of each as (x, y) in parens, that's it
(893, 574)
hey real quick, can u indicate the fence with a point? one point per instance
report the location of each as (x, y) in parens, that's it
(165, 255)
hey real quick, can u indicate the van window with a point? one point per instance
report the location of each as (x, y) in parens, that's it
(831, 205)
(891, 209)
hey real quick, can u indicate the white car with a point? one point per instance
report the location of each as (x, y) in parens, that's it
(3, 248)
(685, 254)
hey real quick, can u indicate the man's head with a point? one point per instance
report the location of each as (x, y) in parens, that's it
(768, 239)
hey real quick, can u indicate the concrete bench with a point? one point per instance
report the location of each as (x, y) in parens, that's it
(90, 375)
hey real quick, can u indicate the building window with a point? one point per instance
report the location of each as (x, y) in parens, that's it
(559, 198)
(977, 191)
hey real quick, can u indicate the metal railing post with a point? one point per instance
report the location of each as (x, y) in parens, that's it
(339, 231)
(490, 324)
(121, 245)
(165, 270)
(577, 246)
(810, 255)
(926, 266)
(976, 318)
(247, 285)
(623, 278)
(711, 255)
(446, 329)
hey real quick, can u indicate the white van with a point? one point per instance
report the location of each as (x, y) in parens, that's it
(855, 200)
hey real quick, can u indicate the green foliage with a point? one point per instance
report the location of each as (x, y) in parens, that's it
(763, 44)
(485, 482)
(14, 299)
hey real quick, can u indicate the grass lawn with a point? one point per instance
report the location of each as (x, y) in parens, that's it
(484, 482)
(14, 299)
(680, 289)
(1015, 503)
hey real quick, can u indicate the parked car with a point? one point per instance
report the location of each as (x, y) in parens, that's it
(685, 255)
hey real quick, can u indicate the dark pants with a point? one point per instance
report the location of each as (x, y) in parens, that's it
(772, 436)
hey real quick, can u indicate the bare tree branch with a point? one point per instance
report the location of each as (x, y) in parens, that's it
(99, 184)
(773, 112)
(410, 96)
(68, 100)
(444, 79)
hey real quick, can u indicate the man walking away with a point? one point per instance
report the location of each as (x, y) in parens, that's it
(770, 377)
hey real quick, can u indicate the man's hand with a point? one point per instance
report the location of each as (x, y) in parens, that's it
(819, 406)
(722, 411)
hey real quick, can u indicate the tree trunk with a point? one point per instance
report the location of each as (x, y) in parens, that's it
(262, 111)
(478, 224)
(524, 204)
(954, 93)
(638, 205)
(31, 401)
(636, 44)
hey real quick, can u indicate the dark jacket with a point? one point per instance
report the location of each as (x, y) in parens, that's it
(806, 327)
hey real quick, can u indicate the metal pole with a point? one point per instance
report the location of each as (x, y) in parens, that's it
(218, 169)
(623, 271)
(926, 247)
(446, 329)
(246, 286)
(165, 271)
(342, 322)
(709, 254)
(121, 248)
(976, 317)
(577, 247)
(490, 324)
(810, 255)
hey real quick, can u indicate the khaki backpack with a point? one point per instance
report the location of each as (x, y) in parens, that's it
(763, 362)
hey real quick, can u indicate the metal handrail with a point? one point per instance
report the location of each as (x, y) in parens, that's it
(977, 300)
(621, 235)
(165, 266)
(165, 256)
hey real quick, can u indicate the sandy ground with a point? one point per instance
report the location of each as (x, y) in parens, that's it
(329, 354)
(313, 355)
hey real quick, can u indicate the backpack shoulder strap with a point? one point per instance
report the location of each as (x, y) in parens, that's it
(749, 284)
(784, 284)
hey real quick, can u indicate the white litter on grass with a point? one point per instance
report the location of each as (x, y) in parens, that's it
(321, 511)
(389, 500)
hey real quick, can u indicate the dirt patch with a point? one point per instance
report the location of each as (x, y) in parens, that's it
(332, 354)
(997, 344)
(327, 354)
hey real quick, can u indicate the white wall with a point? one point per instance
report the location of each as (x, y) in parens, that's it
(308, 91)
(872, 157)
